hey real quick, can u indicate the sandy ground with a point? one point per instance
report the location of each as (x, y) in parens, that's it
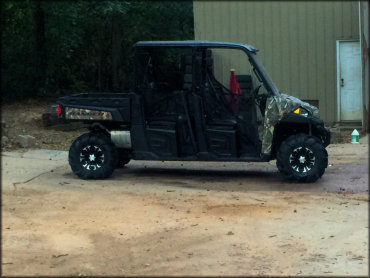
(175, 218)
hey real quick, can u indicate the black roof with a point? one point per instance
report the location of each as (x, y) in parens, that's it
(210, 44)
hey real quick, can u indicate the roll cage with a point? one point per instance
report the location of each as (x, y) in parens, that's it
(194, 45)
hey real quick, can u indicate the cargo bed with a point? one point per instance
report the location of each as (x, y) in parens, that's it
(97, 107)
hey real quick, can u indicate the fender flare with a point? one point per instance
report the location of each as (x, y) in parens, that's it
(99, 127)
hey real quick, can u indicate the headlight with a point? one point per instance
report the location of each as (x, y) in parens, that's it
(301, 111)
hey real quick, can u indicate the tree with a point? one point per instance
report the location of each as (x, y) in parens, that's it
(56, 48)
(40, 49)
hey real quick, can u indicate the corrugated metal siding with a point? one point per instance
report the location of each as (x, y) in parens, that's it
(297, 41)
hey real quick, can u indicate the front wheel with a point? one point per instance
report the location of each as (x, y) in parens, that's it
(92, 156)
(302, 158)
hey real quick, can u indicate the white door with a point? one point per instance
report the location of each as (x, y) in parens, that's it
(349, 81)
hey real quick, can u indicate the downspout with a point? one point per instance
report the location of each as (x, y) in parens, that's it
(361, 54)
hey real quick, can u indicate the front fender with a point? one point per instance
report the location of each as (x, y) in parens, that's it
(292, 124)
(276, 108)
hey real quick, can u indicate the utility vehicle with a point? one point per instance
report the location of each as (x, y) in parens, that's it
(179, 110)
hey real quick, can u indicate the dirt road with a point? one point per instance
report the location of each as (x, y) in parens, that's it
(174, 218)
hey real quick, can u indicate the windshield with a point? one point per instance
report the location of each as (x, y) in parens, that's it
(261, 73)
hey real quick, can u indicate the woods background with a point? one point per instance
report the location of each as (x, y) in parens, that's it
(58, 48)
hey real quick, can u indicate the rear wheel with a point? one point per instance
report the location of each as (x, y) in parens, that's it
(302, 158)
(92, 156)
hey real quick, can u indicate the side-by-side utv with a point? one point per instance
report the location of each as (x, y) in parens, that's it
(179, 110)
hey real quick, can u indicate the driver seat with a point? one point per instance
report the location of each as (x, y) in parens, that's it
(245, 83)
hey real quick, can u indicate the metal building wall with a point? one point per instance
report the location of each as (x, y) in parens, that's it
(296, 39)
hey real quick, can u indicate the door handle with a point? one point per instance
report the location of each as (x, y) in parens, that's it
(342, 82)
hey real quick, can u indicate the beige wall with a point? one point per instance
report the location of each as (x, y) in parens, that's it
(297, 41)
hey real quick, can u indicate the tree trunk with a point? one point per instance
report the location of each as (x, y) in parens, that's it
(116, 53)
(39, 17)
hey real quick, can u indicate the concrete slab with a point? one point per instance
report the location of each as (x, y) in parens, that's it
(19, 167)
(364, 139)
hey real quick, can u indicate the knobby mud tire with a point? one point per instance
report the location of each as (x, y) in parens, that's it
(305, 141)
(107, 147)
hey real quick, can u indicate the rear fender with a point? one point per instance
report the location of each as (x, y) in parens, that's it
(98, 127)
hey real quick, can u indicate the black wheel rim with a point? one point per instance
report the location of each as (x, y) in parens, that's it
(92, 157)
(302, 160)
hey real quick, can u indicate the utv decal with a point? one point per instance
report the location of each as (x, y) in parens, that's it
(87, 114)
(276, 108)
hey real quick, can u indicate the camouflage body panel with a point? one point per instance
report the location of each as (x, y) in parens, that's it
(86, 114)
(276, 108)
